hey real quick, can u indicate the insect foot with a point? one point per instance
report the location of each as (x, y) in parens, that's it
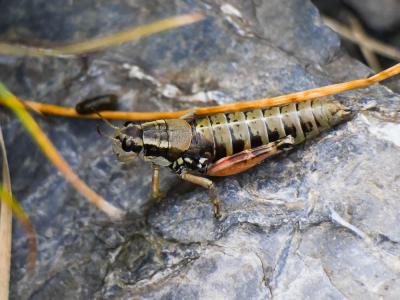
(214, 201)
(208, 184)
(157, 195)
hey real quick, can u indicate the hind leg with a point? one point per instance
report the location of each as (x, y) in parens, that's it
(247, 159)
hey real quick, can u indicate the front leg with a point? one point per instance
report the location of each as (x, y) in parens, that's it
(155, 183)
(208, 184)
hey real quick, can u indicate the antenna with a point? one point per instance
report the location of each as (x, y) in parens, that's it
(107, 122)
(110, 137)
(116, 128)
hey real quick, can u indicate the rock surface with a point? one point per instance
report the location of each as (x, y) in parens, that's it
(320, 222)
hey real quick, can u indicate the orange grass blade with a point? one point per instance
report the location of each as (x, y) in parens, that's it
(130, 34)
(112, 115)
(302, 96)
(245, 105)
(9, 100)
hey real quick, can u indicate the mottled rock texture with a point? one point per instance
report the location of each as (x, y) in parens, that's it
(320, 222)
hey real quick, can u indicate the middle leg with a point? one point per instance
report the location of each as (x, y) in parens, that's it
(208, 184)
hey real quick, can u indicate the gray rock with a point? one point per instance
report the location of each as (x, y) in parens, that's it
(319, 222)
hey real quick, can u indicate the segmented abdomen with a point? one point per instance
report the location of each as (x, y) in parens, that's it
(230, 133)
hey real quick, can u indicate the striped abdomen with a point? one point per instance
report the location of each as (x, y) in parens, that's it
(230, 133)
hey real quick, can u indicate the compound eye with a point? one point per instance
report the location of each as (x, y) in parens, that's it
(127, 123)
(133, 131)
(120, 137)
(126, 144)
(122, 156)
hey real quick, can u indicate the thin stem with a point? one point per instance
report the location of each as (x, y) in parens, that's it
(238, 106)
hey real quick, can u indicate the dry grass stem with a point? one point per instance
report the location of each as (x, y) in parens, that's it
(363, 40)
(368, 54)
(5, 228)
(96, 44)
(9, 100)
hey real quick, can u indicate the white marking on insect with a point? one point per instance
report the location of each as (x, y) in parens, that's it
(188, 160)
(202, 160)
